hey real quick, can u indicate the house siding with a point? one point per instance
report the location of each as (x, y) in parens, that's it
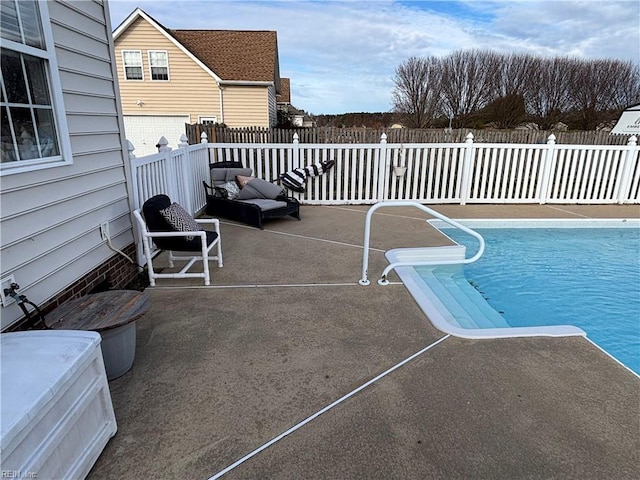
(273, 108)
(50, 238)
(189, 91)
(245, 106)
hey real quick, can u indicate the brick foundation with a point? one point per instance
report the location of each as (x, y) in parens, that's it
(116, 273)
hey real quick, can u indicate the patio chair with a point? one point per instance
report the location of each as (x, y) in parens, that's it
(171, 228)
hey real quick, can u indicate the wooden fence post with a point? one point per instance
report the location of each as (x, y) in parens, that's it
(467, 168)
(547, 169)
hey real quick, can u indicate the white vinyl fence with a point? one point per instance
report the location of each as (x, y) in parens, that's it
(427, 173)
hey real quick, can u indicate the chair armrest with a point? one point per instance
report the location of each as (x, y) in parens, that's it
(200, 233)
(213, 221)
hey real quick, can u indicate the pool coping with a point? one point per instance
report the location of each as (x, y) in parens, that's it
(438, 313)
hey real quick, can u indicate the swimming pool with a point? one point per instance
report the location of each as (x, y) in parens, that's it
(539, 275)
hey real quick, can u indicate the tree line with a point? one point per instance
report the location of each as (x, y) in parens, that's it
(476, 88)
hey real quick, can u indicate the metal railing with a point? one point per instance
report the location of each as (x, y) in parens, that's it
(412, 263)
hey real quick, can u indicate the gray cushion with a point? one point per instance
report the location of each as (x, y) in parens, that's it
(223, 175)
(259, 188)
(265, 204)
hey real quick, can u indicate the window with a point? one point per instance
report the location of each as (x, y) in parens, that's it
(31, 125)
(132, 60)
(208, 120)
(159, 65)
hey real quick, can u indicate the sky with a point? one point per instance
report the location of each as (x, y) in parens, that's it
(341, 56)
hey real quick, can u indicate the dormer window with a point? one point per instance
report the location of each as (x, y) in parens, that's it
(132, 60)
(159, 65)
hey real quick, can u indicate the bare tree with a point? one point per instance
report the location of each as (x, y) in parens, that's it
(547, 94)
(593, 89)
(513, 73)
(485, 87)
(469, 83)
(418, 82)
(627, 90)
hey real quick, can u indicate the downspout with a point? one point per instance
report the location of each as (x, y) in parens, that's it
(221, 103)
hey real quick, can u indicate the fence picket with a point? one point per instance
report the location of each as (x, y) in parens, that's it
(363, 173)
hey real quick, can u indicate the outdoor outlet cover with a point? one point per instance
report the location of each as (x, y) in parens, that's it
(6, 283)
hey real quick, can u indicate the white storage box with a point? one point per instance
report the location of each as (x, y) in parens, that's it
(56, 413)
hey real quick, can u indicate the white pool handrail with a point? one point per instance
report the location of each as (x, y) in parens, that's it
(406, 203)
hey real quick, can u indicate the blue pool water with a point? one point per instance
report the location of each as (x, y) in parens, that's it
(588, 277)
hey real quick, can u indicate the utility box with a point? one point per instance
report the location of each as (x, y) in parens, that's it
(56, 414)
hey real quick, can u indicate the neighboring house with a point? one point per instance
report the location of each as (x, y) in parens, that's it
(171, 77)
(283, 99)
(64, 165)
(296, 117)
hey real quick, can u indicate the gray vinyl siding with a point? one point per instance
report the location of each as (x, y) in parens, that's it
(50, 219)
(273, 109)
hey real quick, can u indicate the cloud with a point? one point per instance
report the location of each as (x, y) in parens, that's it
(341, 55)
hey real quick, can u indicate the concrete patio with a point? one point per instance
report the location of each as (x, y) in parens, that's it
(285, 330)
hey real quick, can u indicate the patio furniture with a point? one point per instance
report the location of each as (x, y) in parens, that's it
(257, 200)
(113, 315)
(57, 414)
(171, 228)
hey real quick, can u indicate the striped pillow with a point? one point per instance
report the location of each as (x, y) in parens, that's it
(180, 220)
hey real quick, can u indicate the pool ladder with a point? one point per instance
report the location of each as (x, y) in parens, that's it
(407, 203)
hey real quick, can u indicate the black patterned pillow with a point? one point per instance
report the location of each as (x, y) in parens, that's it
(180, 220)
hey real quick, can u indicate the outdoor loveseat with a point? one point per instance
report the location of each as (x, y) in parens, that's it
(236, 195)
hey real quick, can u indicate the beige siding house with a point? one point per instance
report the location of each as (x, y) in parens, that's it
(63, 171)
(171, 77)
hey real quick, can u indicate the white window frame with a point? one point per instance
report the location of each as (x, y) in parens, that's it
(65, 157)
(213, 119)
(124, 66)
(149, 52)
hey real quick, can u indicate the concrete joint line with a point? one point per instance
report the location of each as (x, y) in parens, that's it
(325, 409)
(265, 285)
(305, 237)
(567, 211)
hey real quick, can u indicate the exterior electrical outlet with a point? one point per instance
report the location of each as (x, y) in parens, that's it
(104, 231)
(6, 283)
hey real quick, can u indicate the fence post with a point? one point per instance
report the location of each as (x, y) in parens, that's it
(382, 169)
(133, 169)
(547, 169)
(624, 180)
(467, 167)
(204, 138)
(296, 150)
(184, 141)
(134, 174)
(163, 145)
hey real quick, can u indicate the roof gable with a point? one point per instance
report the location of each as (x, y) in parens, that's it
(227, 55)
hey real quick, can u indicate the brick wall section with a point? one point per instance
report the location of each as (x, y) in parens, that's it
(116, 273)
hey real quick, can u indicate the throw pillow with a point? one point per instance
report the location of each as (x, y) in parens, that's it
(232, 190)
(259, 188)
(180, 220)
(242, 180)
